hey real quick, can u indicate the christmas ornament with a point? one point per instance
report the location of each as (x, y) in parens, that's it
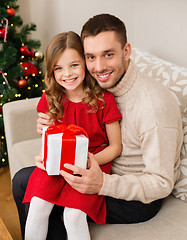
(38, 55)
(1, 109)
(22, 83)
(30, 69)
(1, 72)
(30, 53)
(26, 52)
(11, 12)
(3, 31)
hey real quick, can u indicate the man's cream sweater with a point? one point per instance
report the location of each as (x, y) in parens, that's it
(151, 137)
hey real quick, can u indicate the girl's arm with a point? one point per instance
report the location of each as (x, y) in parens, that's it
(115, 147)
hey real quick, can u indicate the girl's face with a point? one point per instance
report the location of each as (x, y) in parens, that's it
(69, 71)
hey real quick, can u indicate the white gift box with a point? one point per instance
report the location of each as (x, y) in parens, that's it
(54, 146)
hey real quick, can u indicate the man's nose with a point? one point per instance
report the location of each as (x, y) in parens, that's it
(99, 65)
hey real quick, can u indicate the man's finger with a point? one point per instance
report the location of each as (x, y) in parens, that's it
(71, 179)
(75, 169)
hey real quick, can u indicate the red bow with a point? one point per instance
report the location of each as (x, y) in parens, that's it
(71, 129)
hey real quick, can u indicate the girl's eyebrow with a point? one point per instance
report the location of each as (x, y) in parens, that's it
(75, 61)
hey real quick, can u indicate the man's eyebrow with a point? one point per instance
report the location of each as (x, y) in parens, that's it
(109, 50)
(105, 51)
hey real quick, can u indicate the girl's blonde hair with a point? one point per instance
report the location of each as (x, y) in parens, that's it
(54, 91)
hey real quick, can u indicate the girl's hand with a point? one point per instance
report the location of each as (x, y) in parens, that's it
(39, 162)
(43, 120)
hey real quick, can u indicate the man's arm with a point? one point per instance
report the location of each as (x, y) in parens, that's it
(155, 182)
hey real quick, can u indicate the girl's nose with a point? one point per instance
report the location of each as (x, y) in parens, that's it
(67, 72)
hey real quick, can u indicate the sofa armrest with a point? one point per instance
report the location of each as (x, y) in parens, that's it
(20, 120)
(20, 130)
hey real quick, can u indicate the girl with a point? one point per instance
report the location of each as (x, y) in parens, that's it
(72, 97)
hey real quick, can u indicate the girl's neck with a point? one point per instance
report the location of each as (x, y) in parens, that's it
(76, 96)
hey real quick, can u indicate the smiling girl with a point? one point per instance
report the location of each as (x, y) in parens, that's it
(72, 96)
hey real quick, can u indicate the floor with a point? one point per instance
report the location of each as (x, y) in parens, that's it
(8, 210)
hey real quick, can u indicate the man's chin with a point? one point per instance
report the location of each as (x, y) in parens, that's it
(105, 85)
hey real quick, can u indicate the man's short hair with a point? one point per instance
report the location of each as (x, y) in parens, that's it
(103, 23)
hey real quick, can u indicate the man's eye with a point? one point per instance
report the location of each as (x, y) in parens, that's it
(109, 55)
(90, 57)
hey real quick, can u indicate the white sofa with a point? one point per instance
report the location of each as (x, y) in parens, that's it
(171, 222)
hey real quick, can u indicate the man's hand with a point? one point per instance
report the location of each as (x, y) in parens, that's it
(90, 181)
(43, 120)
(39, 162)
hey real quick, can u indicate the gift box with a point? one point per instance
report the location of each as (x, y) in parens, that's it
(64, 144)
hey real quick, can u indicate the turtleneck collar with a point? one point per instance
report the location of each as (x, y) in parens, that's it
(126, 82)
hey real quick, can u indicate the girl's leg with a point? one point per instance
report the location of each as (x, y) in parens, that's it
(76, 224)
(37, 220)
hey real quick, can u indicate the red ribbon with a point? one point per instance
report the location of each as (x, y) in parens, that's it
(68, 142)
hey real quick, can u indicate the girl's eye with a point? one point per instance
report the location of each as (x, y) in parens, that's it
(74, 65)
(57, 68)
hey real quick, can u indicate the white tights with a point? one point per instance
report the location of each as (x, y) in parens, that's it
(37, 221)
(76, 224)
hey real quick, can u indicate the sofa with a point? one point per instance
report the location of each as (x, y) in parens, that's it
(24, 144)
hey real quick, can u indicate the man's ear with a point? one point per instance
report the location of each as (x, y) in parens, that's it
(127, 51)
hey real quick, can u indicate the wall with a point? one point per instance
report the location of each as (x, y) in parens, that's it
(157, 26)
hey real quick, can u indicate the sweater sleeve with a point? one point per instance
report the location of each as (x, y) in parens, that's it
(111, 112)
(157, 179)
(42, 104)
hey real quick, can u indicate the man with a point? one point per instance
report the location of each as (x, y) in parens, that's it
(146, 171)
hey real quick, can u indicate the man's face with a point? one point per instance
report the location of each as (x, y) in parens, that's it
(105, 59)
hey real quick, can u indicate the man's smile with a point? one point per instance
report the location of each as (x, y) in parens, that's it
(103, 76)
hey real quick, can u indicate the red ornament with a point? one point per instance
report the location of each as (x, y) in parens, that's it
(26, 52)
(11, 12)
(2, 32)
(30, 69)
(30, 53)
(22, 83)
(1, 109)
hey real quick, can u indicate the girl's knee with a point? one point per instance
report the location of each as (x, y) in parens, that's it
(40, 207)
(73, 216)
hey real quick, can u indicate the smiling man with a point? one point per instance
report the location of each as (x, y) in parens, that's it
(108, 62)
(146, 171)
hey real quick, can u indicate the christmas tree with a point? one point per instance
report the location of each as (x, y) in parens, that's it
(21, 76)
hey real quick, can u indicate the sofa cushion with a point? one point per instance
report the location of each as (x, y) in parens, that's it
(169, 223)
(175, 79)
(22, 150)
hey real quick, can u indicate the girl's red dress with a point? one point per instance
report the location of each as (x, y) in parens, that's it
(55, 189)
